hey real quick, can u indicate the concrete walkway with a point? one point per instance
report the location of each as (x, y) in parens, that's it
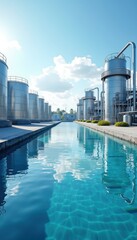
(124, 133)
(10, 136)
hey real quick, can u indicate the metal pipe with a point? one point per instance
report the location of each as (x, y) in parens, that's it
(133, 68)
(102, 104)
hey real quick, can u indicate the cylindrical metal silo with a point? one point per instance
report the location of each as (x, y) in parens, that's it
(46, 111)
(3, 92)
(49, 112)
(114, 76)
(89, 105)
(80, 109)
(33, 106)
(41, 109)
(18, 100)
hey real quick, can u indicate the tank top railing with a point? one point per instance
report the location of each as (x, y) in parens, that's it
(17, 79)
(41, 97)
(33, 92)
(112, 56)
(3, 58)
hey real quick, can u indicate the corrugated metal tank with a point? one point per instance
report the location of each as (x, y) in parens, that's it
(33, 106)
(3, 91)
(18, 100)
(89, 105)
(49, 112)
(46, 111)
(114, 76)
(41, 109)
(80, 109)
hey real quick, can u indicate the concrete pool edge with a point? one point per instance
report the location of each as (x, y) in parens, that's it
(14, 135)
(125, 133)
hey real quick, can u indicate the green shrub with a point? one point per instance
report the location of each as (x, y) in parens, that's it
(95, 121)
(88, 121)
(103, 123)
(121, 124)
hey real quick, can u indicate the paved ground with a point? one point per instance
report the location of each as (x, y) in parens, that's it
(125, 133)
(10, 136)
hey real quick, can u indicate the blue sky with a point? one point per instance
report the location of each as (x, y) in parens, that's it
(60, 45)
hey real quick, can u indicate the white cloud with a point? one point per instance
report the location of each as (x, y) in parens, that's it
(79, 68)
(50, 81)
(14, 44)
(7, 44)
(63, 82)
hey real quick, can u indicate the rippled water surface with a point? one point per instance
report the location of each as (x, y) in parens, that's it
(70, 183)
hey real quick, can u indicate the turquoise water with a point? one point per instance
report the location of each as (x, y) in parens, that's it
(70, 183)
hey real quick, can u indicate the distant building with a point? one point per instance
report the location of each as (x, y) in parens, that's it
(67, 117)
(56, 117)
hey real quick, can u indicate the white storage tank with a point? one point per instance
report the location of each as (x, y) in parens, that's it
(114, 77)
(3, 92)
(18, 100)
(33, 106)
(89, 105)
(41, 108)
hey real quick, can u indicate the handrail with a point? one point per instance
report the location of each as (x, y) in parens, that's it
(17, 79)
(3, 58)
(41, 97)
(33, 91)
(113, 56)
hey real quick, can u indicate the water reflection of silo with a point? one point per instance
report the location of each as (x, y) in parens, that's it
(33, 148)
(43, 139)
(115, 176)
(90, 140)
(17, 161)
(41, 142)
(80, 134)
(47, 136)
(3, 168)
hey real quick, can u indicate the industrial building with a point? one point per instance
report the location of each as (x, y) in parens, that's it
(118, 98)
